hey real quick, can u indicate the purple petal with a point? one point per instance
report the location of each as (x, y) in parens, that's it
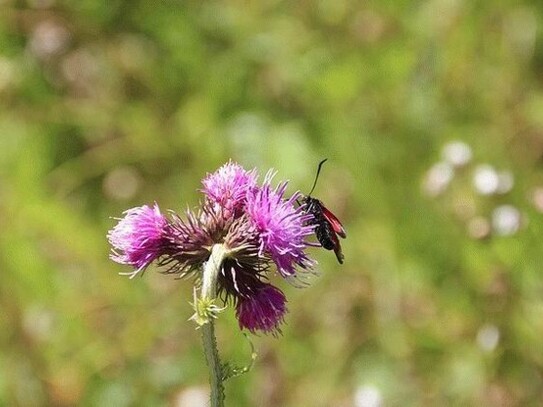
(228, 186)
(263, 310)
(282, 226)
(137, 239)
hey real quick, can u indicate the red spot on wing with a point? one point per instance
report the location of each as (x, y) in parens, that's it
(336, 224)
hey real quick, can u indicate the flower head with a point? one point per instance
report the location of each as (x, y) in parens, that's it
(139, 237)
(228, 185)
(282, 227)
(257, 226)
(263, 310)
(259, 305)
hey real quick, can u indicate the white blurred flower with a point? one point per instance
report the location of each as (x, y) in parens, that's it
(486, 180)
(368, 396)
(192, 397)
(457, 153)
(122, 183)
(488, 337)
(506, 181)
(48, 38)
(438, 178)
(506, 220)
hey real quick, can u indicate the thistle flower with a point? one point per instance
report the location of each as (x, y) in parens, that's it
(228, 186)
(282, 227)
(139, 238)
(258, 227)
(263, 310)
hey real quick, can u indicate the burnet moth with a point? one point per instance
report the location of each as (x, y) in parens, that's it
(328, 227)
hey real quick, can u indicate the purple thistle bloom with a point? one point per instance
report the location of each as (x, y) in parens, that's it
(228, 186)
(263, 310)
(282, 227)
(139, 237)
(257, 226)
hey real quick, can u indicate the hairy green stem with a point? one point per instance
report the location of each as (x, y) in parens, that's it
(209, 292)
(214, 364)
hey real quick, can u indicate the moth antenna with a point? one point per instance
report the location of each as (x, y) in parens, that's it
(317, 176)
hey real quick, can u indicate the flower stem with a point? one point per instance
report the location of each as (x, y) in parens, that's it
(214, 364)
(209, 292)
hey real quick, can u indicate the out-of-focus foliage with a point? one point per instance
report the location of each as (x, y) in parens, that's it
(109, 105)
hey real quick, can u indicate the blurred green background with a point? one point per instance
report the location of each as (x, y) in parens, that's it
(431, 115)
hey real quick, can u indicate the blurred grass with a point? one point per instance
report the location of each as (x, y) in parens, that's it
(109, 105)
